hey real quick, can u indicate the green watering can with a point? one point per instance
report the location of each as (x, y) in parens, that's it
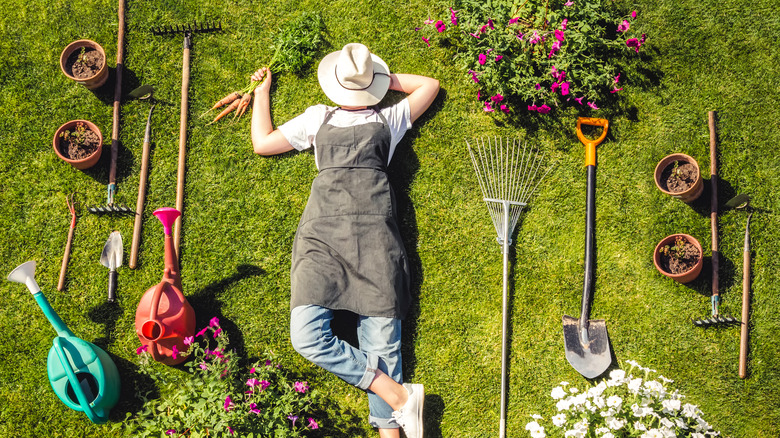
(82, 375)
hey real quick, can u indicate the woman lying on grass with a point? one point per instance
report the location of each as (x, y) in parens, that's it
(348, 253)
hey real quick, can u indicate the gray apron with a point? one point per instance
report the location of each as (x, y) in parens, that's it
(348, 253)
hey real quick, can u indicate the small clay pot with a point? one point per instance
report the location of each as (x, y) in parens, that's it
(683, 277)
(83, 163)
(693, 191)
(91, 82)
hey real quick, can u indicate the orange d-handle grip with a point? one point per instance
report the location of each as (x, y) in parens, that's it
(590, 145)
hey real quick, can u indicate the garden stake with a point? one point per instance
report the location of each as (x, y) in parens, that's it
(187, 30)
(120, 54)
(139, 205)
(586, 341)
(508, 175)
(72, 208)
(716, 318)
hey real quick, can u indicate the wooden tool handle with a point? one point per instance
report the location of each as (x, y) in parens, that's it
(185, 84)
(743, 339)
(139, 205)
(714, 202)
(120, 56)
(65, 257)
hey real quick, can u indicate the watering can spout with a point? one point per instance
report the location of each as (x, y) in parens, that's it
(25, 274)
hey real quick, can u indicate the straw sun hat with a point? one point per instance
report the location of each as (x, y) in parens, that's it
(353, 76)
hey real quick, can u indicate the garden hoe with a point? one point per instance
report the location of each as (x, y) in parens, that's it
(81, 374)
(586, 340)
(508, 175)
(110, 207)
(144, 92)
(716, 319)
(742, 202)
(187, 31)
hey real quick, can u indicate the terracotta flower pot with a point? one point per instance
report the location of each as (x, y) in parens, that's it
(95, 74)
(76, 160)
(689, 186)
(697, 261)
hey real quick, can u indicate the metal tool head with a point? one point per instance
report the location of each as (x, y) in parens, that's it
(187, 28)
(110, 209)
(144, 92)
(716, 320)
(111, 257)
(739, 202)
(587, 346)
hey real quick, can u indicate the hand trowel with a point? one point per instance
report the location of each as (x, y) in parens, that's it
(111, 258)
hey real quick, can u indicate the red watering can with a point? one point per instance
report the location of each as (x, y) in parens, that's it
(164, 318)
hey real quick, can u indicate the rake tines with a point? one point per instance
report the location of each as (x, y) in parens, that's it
(716, 320)
(110, 209)
(187, 28)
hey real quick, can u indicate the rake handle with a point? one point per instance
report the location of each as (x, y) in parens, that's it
(139, 205)
(185, 84)
(120, 56)
(714, 209)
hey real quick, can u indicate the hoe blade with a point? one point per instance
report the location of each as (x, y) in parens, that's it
(587, 352)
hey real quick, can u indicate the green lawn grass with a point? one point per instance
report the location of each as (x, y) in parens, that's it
(241, 210)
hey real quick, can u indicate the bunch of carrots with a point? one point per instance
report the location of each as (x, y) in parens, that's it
(237, 101)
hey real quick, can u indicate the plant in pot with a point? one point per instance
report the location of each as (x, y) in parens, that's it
(678, 176)
(679, 257)
(84, 61)
(78, 142)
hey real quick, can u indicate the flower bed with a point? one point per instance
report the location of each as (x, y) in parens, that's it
(537, 55)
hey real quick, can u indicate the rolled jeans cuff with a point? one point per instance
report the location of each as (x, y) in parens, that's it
(372, 362)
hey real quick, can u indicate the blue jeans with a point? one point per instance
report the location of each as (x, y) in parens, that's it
(379, 348)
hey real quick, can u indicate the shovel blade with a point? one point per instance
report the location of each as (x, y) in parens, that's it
(590, 357)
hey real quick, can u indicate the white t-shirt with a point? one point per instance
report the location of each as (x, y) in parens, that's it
(301, 130)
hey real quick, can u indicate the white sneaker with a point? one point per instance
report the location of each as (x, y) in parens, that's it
(410, 416)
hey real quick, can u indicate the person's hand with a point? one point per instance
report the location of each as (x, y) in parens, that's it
(262, 74)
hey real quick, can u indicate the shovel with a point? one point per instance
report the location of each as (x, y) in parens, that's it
(111, 258)
(586, 341)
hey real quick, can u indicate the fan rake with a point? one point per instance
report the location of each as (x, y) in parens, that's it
(508, 175)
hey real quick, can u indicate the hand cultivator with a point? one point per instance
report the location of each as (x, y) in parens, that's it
(508, 175)
(187, 31)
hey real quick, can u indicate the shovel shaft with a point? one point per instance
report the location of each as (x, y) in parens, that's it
(590, 246)
(714, 205)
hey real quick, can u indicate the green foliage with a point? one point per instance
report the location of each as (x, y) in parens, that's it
(539, 54)
(297, 43)
(214, 400)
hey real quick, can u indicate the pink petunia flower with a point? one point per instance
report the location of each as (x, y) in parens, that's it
(615, 90)
(564, 89)
(505, 109)
(200, 333)
(617, 78)
(633, 14)
(294, 418)
(228, 403)
(440, 26)
(555, 47)
(188, 340)
(174, 352)
(264, 384)
(230, 429)
(497, 98)
(482, 59)
(636, 43)
(532, 107)
(559, 35)
(252, 371)
(624, 26)
(203, 366)
(252, 382)
(499, 57)
(593, 105)
(564, 23)
(170, 431)
(568, 3)
(544, 109)
(490, 23)
(535, 38)
(453, 18)
(217, 332)
(313, 424)
(214, 322)
(301, 387)
(488, 107)
(253, 408)
(141, 349)
(554, 87)
(428, 21)
(538, 86)
(427, 41)
(579, 99)
(513, 21)
(474, 76)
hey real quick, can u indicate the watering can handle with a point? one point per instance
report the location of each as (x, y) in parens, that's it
(74, 381)
(590, 150)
